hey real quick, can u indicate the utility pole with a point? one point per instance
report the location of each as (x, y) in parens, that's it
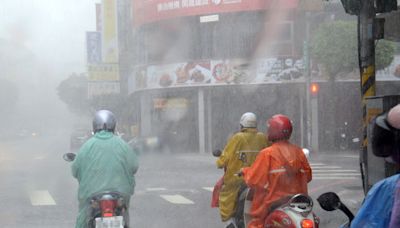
(369, 29)
(366, 42)
(307, 64)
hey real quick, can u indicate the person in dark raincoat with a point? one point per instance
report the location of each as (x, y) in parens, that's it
(104, 163)
(381, 206)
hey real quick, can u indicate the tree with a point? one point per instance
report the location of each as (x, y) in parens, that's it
(334, 45)
(73, 91)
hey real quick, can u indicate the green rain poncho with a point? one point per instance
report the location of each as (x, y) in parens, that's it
(104, 163)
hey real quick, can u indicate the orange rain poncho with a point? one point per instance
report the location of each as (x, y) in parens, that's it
(240, 151)
(279, 170)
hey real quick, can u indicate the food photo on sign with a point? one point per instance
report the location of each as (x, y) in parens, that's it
(279, 69)
(200, 73)
(179, 74)
(221, 71)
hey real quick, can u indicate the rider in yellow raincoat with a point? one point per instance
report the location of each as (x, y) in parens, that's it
(240, 151)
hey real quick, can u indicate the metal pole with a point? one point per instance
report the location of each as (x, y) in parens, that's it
(314, 124)
(209, 122)
(308, 79)
(366, 44)
(201, 121)
(301, 100)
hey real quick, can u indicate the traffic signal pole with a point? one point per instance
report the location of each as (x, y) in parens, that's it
(307, 64)
(366, 55)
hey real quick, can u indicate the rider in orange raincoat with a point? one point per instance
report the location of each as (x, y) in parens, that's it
(279, 171)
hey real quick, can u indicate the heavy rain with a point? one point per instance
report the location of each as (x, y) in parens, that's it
(180, 78)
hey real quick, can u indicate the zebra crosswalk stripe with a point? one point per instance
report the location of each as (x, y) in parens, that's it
(209, 188)
(177, 199)
(41, 198)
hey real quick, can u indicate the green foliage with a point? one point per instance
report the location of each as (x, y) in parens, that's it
(334, 45)
(73, 91)
(384, 54)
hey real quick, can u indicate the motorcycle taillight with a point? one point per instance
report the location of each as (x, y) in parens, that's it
(107, 207)
(307, 223)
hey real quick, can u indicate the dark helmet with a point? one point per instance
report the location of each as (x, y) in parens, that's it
(104, 120)
(279, 128)
(385, 138)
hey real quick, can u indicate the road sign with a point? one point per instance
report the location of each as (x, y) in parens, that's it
(93, 47)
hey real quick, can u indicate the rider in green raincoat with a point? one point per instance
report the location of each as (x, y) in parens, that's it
(104, 163)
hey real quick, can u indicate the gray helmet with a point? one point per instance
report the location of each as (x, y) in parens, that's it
(104, 120)
(248, 120)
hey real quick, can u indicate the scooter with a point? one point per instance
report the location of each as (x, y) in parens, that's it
(330, 201)
(107, 209)
(291, 212)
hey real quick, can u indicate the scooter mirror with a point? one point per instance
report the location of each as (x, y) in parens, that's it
(329, 201)
(69, 157)
(217, 153)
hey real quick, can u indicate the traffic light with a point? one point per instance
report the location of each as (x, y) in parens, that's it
(314, 89)
(385, 6)
(352, 7)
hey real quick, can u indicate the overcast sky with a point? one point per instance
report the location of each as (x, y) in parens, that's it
(54, 30)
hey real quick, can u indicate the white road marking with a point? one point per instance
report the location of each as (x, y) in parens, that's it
(41, 198)
(343, 192)
(326, 167)
(39, 157)
(335, 174)
(155, 189)
(316, 164)
(209, 188)
(335, 178)
(177, 199)
(334, 170)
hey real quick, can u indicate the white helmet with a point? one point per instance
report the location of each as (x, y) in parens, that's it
(248, 120)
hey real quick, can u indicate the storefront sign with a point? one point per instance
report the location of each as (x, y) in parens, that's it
(171, 103)
(146, 11)
(102, 88)
(109, 31)
(103, 72)
(93, 47)
(180, 74)
(214, 72)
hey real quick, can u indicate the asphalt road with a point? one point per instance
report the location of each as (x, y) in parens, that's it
(173, 190)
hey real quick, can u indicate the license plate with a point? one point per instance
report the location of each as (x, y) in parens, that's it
(110, 222)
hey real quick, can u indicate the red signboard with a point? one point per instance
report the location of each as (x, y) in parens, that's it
(146, 11)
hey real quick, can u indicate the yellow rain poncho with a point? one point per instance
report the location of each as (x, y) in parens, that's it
(240, 151)
(104, 163)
